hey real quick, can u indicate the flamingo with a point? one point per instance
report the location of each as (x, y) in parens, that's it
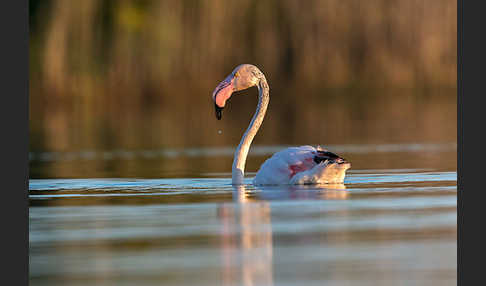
(292, 166)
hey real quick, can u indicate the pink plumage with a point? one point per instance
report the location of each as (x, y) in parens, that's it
(297, 165)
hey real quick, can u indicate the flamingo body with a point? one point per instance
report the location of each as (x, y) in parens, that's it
(302, 165)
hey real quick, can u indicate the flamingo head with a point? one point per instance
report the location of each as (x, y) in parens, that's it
(242, 77)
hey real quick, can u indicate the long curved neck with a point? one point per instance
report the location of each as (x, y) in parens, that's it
(239, 161)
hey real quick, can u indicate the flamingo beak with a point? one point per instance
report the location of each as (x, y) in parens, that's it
(218, 110)
(222, 93)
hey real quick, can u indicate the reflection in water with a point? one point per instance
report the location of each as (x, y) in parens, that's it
(302, 192)
(246, 239)
(395, 225)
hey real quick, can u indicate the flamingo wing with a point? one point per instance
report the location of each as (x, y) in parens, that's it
(301, 165)
(283, 165)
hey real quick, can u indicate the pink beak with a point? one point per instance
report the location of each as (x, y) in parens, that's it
(222, 93)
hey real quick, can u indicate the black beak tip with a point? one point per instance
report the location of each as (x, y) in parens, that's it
(218, 111)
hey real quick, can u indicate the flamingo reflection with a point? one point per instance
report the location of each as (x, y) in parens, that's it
(246, 238)
(246, 241)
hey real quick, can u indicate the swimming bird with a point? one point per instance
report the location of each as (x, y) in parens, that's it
(294, 165)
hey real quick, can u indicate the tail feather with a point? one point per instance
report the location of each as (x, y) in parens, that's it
(324, 173)
(324, 155)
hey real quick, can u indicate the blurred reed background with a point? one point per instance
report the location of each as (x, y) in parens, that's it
(138, 75)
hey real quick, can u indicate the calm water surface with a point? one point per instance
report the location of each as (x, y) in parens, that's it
(393, 222)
